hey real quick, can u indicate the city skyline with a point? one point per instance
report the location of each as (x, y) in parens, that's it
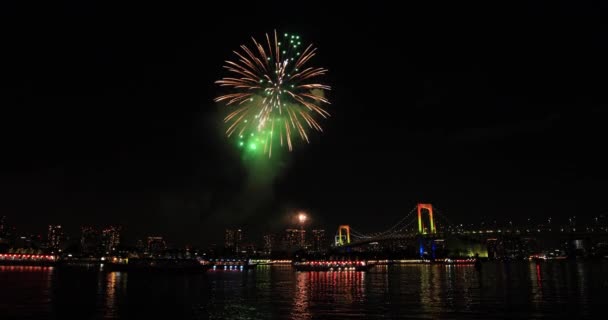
(104, 239)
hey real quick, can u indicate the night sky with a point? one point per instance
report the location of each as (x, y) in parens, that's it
(488, 112)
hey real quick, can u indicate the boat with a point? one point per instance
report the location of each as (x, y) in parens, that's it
(18, 259)
(332, 266)
(232, 264)
(156, 264)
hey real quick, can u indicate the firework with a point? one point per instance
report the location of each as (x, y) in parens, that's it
(273, 94)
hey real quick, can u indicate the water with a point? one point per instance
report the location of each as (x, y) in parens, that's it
(515, 290)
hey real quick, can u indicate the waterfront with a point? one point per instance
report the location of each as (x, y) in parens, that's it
(520, 289)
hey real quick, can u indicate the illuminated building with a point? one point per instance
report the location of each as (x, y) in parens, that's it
(294, 239)
(55, 237)
(139, 246)
(90, 240)
(246, 248)
(2, 226)
(229, 239)
(27, 241)
(233, 239)
(238, 239)
(269, 243)
(319, 242)
(156, 245)
(110, 238)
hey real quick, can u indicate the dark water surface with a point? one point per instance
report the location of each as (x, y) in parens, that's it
(514, 290)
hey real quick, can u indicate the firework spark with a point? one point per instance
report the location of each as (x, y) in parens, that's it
(274, 94)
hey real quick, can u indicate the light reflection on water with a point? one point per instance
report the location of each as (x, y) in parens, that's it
(575, 289)
(112, 287)
(25, 290)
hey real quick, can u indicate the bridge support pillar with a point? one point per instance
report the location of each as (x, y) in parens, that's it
(340, 240)
(421, 225)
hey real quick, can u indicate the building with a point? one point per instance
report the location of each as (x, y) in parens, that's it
(233, 239)
(294, 239)
(238, 240)
(318, 241)
(55, 237)
(247, 249)
(28, 241)
(229, 239)
(90, 240)
(156, 245)
(2, 226)
(110, 239)
(269, 243)
(140, 247)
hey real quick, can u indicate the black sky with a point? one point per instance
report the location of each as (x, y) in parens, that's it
(486, 111)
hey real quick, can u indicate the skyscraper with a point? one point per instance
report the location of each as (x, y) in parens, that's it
(55, 237)
(319, 242)
(110, 238)
(238, 239)
(229, 239)
(156, 245)
(2, 226)
(269, 243)
(294, 239)
(90, 240)
(139, 246)
(233, 239)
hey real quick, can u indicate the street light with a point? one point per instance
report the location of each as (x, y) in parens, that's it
(302, 217)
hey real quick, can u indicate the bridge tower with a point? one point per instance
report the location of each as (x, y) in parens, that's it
(421, 225)
(340, 237)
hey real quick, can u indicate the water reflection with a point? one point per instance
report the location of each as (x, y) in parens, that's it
(539, 277)
(426, 294)
(327, 291)
(36, 269)
(115, 287)
(25, 288)
(449, 285)
(302, 294)
(506, 290)
(581, 273)
(536, 285)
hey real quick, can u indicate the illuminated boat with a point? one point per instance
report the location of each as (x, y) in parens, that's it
(17, 259)
(154, 264)
(332, 266)
(232, 264)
